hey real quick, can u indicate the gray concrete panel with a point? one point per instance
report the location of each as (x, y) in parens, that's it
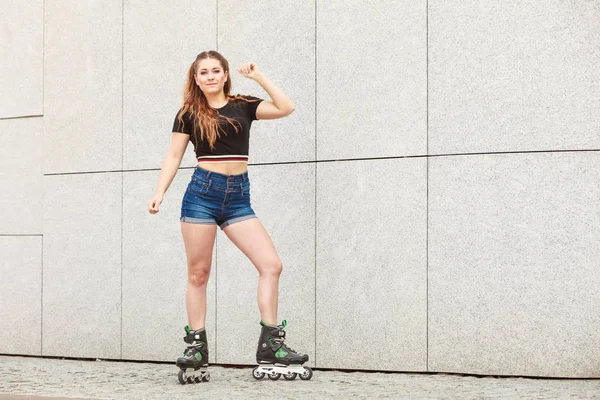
(155, 272)
(21, 176)
(21, 295)
(82, 265)
(513, 76)
(371, 79)
(83, 86)
(513, 264)
(160, 43)
(280, 38)
(21, 52)
(371, 264)
(283, 199)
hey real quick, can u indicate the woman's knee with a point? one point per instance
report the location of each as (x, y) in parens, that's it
(198, 276)
(272, 267)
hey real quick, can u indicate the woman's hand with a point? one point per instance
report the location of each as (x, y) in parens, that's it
(154, 202)
(249, 70)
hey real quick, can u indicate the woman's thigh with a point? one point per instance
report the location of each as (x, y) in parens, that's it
(251, 237)
(199, 240)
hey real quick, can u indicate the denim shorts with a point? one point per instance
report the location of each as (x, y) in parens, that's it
(213, 198)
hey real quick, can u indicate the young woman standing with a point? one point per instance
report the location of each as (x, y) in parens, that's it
(218, 124)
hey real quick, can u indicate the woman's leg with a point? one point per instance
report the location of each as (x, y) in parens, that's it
(253, 240)
(199, 240)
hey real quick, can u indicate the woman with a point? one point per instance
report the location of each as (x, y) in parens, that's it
(218, 124)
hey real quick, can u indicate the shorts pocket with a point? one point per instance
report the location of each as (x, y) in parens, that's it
(198, 186)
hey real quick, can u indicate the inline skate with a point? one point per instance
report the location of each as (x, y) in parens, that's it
(275, 358)
(194, 362)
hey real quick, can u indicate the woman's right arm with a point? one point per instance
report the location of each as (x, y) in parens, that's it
(179, 142)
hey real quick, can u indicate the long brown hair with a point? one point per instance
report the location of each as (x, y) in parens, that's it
(206, 125)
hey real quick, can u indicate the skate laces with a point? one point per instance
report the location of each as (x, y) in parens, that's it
(281, 339)
(189, 352)
(190, 349)
(289, 348)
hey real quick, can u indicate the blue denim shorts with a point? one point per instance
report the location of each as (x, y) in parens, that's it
(213, 198)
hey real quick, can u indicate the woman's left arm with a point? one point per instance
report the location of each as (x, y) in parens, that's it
(281, 105)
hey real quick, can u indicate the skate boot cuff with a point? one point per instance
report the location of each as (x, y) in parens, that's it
(195, 338)
(282, 326)
(188, 330)
(273, 331)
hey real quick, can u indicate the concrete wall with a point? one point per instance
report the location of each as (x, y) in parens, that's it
(434, 198)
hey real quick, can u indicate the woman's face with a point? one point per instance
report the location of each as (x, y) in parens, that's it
(210, 76)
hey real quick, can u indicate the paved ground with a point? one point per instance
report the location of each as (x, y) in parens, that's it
(26, 377)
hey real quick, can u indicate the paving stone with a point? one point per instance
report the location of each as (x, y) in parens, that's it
(34, 376)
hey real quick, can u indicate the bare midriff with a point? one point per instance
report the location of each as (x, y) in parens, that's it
(226, 168)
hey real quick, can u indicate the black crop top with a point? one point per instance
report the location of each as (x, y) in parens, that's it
(230, 146)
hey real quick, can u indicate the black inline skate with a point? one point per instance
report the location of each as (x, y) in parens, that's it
(274, 358)
(193, 365)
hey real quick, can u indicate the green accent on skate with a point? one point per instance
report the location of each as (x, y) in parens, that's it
(281, 353)
(198, 356)
(284, 323)
(187, 329)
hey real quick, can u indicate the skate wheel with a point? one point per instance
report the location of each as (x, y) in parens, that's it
(256, 374)
(190, 379)
(197, 379)
(274, 376)
(206, 378)
(307, 374)
(182, 377)
(290, 376)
